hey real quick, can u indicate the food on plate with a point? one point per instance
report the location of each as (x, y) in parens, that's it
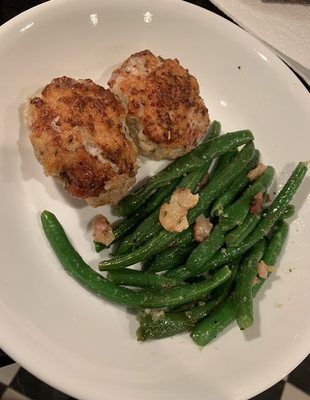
(223, 315)
(166, 115)
(240, 232)
(173, 215)
(202, 228)
(78, 133)
(236, 213)
(150, 226)
(102, 230)
(96, 283)
(201, 155)
(209, 283)
(256, 172)
(257, 203)
(206, 197)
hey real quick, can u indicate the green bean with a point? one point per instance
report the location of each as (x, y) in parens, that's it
(206, 197)
(238, 186)
(169, 258)
(243, 298)
(160, 325)
(191, 161)
(99, 246)
(185, 237)
(226, 288)
(222, 162)
(200, 255)
(152, 204)
(236, 213)
(207, 329)
(289, 211)
(179, 295)
(132, 221)
(151, 225)
(239, 233)
(207, 249)
(273, 250)
(75, 266)
(144, 231)
(192, 179)
(275, 246)
(174, 254)
(97, 284)
(131, 277)
(213, 131)
(273, 213)
(236, 236)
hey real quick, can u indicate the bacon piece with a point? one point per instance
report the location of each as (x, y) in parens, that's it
(256, 172)
(102, 230)
(262, 270)
(257, 203)
(202, 228)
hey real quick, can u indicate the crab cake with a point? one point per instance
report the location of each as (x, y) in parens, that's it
(79, 134)
(166, 115)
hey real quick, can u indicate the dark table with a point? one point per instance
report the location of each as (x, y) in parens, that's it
(18, 384)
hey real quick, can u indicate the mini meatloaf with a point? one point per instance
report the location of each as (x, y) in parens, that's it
(166, 115)
(79, 134)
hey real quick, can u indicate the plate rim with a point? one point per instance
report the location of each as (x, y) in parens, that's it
(40, 8)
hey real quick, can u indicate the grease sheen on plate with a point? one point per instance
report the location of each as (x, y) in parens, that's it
(57, 330)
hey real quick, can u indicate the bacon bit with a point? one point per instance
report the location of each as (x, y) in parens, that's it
(202, 228)
(257, 203)
(255, 281)
(102, 230)
(173, 215)
(262, 270)
(256, 172)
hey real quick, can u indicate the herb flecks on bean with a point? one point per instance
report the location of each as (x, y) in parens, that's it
(183, 285)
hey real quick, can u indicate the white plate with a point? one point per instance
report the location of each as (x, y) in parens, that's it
(57, 330)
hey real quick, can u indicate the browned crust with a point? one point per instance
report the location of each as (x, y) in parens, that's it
(165, 98)
(68, 117)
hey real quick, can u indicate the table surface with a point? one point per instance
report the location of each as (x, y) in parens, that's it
(18, 384)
